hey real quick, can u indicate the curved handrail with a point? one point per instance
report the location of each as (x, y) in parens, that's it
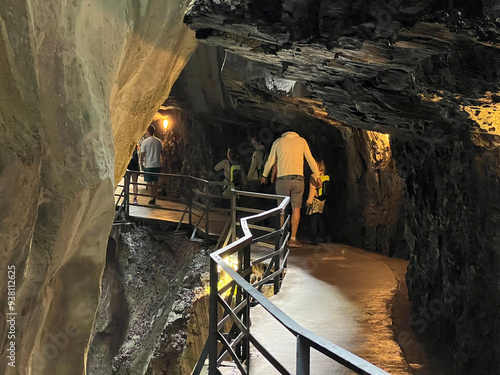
(303, 335)
(198, 193)
(305, 338)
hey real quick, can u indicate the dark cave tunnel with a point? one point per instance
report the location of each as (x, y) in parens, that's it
(392, 193)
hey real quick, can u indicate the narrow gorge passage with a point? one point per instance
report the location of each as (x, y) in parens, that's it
(344, 295)
(399, 98)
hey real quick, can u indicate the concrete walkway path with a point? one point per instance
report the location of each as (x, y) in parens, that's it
(342, 294)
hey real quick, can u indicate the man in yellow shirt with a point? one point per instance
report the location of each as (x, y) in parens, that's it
(289, 152)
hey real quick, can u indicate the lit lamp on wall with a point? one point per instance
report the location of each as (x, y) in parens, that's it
(165, 124)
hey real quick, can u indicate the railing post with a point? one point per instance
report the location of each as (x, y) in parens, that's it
(127, 193)
(246, 311)
(233, 215)
(278, 257)
(190, 201)
(303, 356)
(207, 218)
(239, 297)
(213, 319)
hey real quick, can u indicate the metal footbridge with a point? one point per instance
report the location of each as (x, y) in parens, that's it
(250, 220)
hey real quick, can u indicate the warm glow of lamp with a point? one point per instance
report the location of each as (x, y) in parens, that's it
(165, 124)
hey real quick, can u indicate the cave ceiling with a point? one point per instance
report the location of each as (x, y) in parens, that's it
(406, 68)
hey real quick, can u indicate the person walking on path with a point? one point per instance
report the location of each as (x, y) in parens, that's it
(288, 152)
(151, 149)
(316, 204)
(256, 167)
(134, 166)
(234, 175)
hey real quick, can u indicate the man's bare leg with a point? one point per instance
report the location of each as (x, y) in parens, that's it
(135, 188)
(153, 193)
(295, 222)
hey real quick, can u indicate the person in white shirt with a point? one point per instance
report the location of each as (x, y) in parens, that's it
(288, 152)
(151, 149)
(256, 167)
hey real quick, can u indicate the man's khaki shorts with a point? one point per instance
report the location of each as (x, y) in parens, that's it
(292, 188)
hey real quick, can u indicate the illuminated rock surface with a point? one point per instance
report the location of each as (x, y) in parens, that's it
(425, 75)
(75, 79)
(72, 77)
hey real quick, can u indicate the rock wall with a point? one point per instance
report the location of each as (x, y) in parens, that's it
(186, 332)
(76, 79)
(366, 199)
(426, 74)
(150, 278)
(452, 213)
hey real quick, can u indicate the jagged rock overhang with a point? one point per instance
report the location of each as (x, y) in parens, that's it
(410, 71)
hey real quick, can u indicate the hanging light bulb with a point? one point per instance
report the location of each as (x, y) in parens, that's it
(165, 124)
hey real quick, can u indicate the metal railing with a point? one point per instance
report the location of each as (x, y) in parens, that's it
(231, 335)
(196, 195)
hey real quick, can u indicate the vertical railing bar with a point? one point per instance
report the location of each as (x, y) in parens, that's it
(303, 356)
(233, 215)
(277, 247)
(239, 297)
(213, 317)
(205, 211)
(246, 310)
(126, 197)
(190, 200)
(207, 221)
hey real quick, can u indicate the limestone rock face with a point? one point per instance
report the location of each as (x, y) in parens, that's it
(144, 277)
(76, 79)
(451, 210)
(364, 61)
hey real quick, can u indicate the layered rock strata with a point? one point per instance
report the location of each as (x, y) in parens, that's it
(426, 75)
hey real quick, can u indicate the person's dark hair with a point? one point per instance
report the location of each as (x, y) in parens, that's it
(321, 165)
(233, 154)
(256, 137)
(151, 130)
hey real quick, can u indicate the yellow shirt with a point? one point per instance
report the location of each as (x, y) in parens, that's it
(289, 152)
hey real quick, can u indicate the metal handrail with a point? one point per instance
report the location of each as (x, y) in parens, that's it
(247, 294)
(190, 199)
(305, 338)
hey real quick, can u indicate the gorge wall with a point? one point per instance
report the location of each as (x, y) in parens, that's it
(401, 99)
(76, 80)
(153, 282)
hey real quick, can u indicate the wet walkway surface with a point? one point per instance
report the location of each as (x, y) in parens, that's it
(350, 297)
(343, 294)
(168, 210)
